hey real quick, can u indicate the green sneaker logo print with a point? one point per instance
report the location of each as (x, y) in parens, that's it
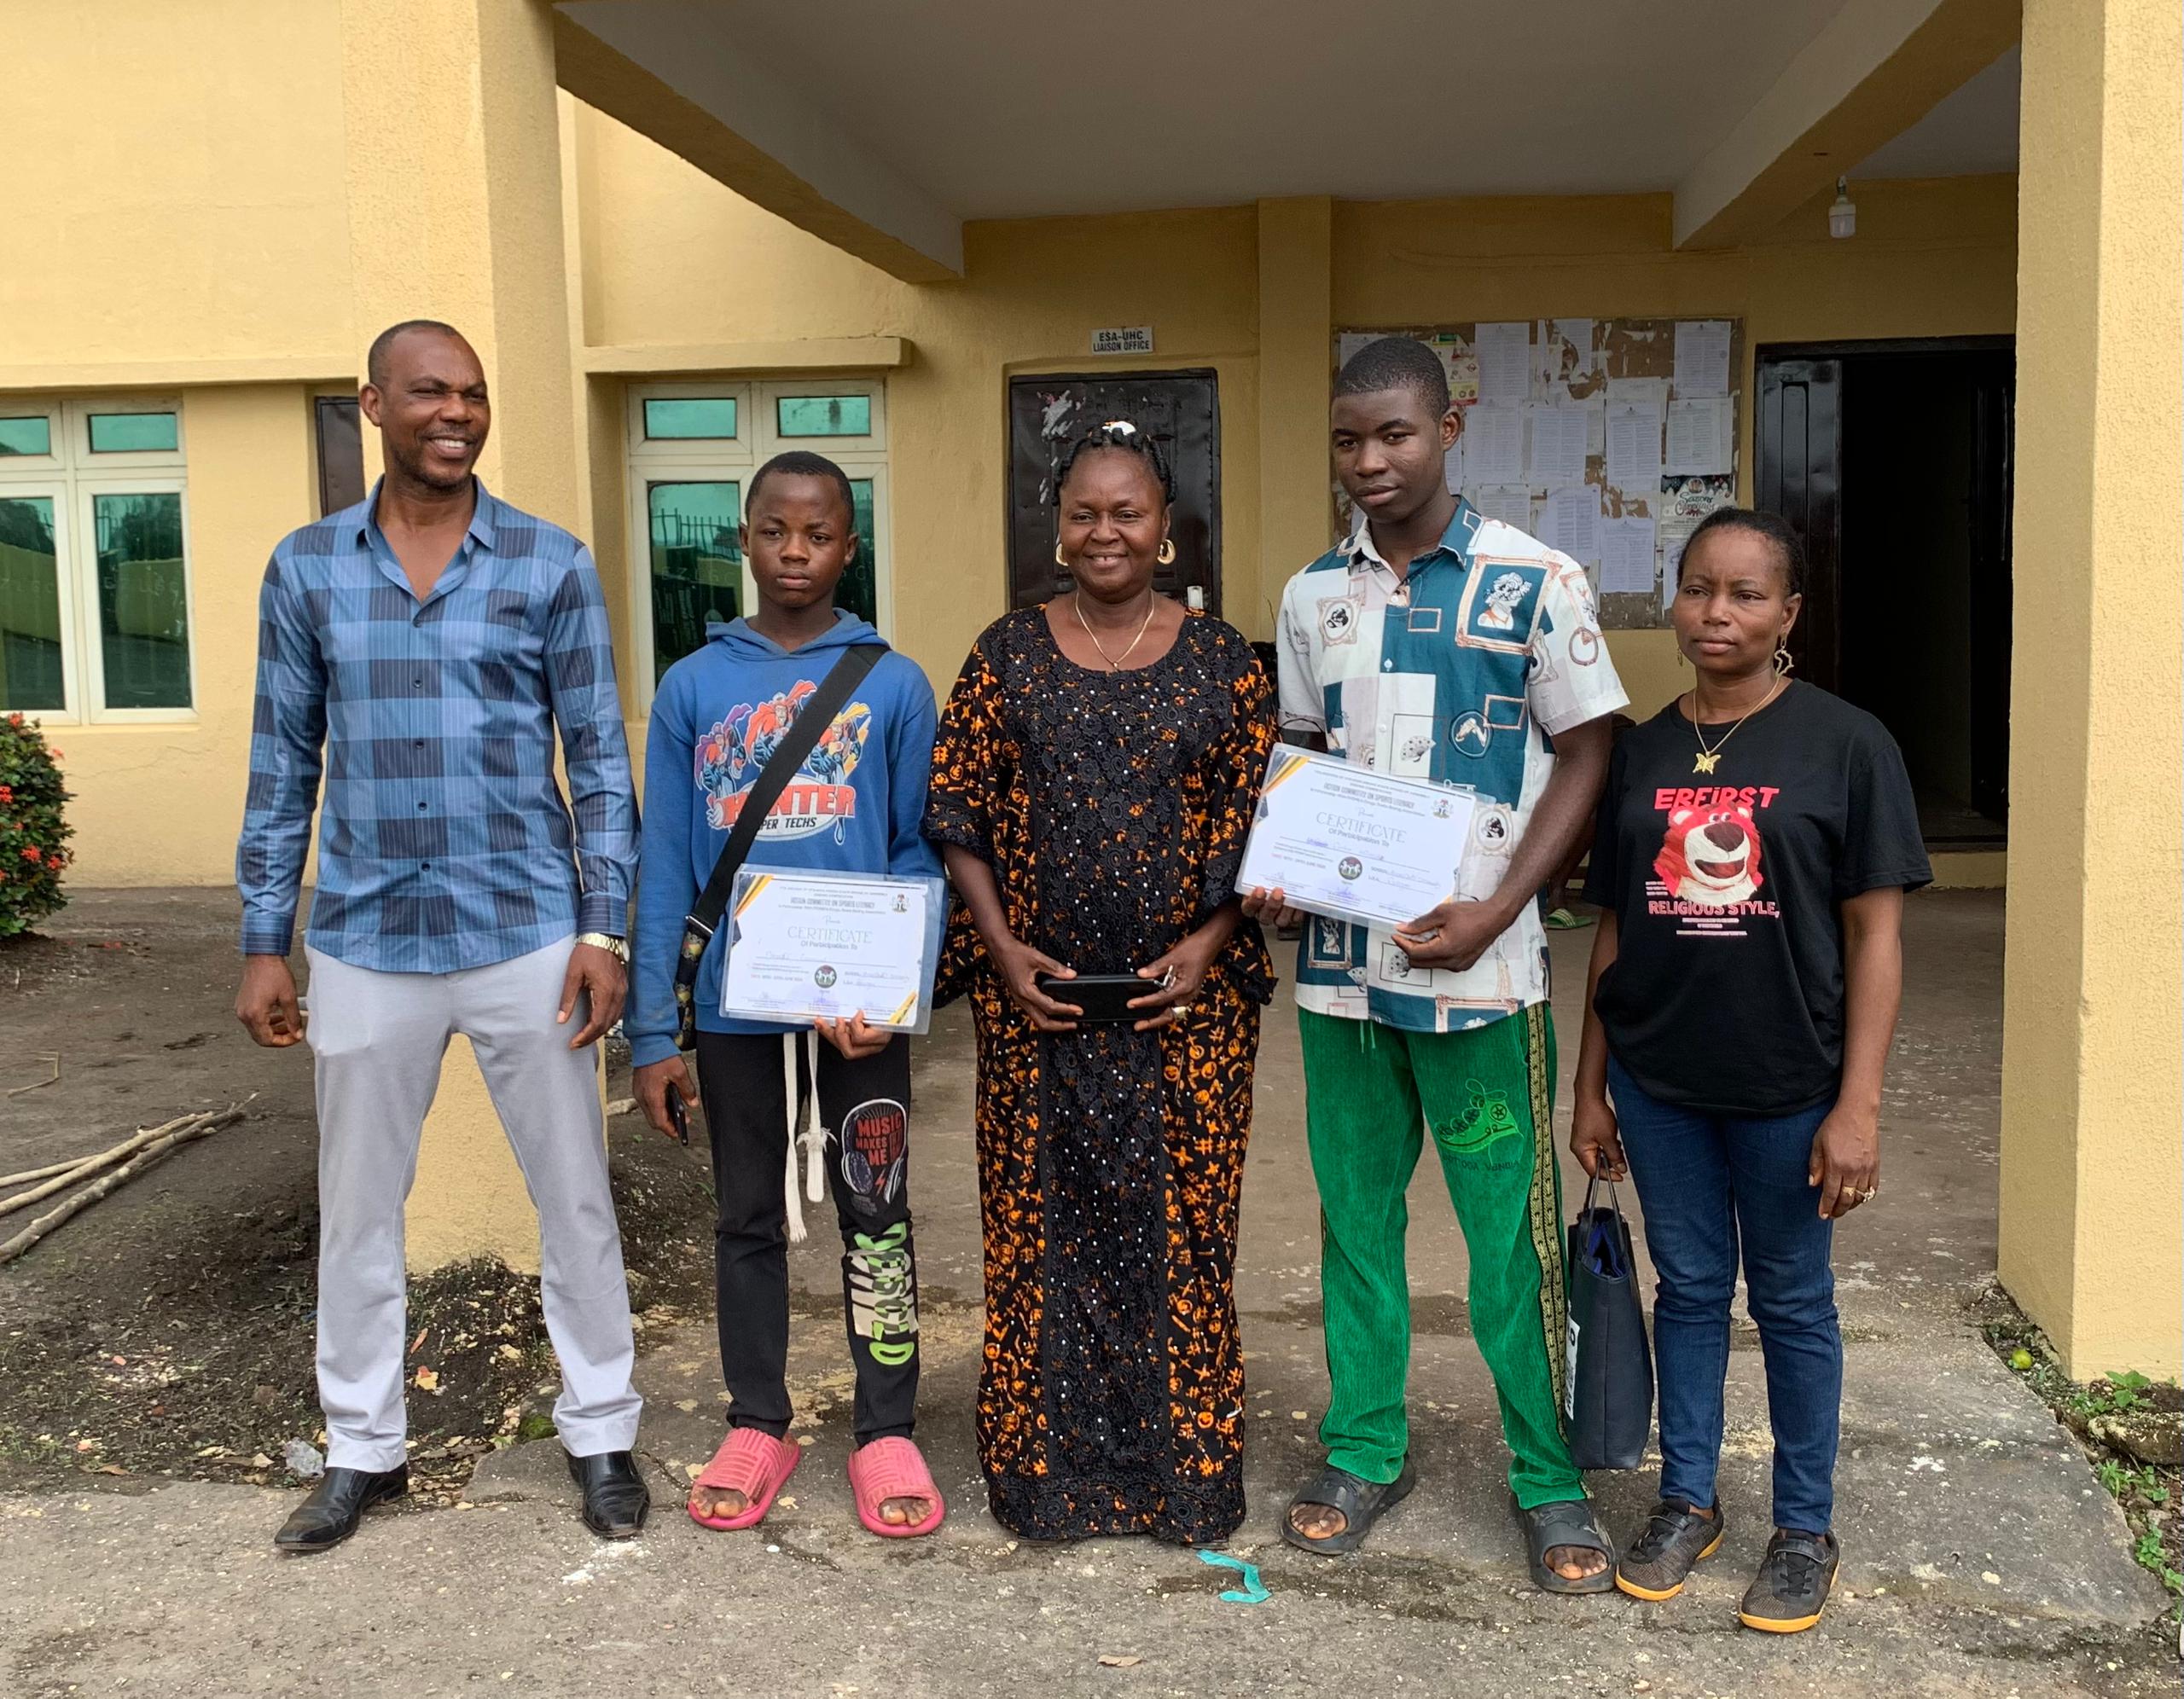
(1485, 1120)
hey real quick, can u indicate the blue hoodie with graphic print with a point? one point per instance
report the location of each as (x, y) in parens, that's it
(856, 806)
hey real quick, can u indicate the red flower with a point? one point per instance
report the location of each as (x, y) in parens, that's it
(31, 853)
(6, 794)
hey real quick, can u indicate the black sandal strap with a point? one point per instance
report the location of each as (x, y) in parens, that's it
(1361, 1502)
(1566, 1522)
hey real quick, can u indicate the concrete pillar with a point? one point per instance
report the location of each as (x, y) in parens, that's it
(1296, 325)
(454, 214)
(2092, 1098)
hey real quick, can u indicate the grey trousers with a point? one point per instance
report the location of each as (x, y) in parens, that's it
(378, 1039)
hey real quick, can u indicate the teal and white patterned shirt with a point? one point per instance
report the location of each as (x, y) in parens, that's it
(1459, 672)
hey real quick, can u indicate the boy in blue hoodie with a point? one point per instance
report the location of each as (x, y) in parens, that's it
(855, 806)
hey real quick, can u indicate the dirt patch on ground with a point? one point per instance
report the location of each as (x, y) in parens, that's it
(167, 1331)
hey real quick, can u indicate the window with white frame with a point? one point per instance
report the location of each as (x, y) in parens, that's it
(693, 448)
(94, 562)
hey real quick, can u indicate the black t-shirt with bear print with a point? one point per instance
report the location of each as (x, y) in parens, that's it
(1726, 994)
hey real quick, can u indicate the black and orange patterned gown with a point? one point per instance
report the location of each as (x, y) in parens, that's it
(1113, 808)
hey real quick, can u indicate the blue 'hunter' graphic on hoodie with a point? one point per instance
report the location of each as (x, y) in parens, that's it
(856, 806)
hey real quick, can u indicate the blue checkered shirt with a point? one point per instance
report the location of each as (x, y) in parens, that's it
(444, 841)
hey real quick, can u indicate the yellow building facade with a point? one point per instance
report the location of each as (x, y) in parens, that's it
(284, 176)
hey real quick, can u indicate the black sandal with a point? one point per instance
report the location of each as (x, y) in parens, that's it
(1361, 1502)
(1567, 1522)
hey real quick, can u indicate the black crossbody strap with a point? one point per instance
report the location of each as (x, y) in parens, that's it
(803, 734)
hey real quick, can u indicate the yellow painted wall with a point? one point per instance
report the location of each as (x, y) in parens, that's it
(669, 256)
(254, 255)
(2092, 1090)
(173, 183)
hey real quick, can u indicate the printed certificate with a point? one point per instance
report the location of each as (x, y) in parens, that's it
(1341, 840)
(805, 945)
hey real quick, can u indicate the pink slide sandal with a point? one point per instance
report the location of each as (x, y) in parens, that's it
(754, 1463)
(892, 1467)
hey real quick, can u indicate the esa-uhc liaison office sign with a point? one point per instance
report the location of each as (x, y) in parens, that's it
(1125, 339)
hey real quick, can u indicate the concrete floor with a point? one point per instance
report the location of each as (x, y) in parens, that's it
(1980, 1558)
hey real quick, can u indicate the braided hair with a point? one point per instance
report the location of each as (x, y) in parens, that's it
(1124, 435)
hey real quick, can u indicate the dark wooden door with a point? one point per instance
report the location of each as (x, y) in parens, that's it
(1798, 473)
(1180, 410)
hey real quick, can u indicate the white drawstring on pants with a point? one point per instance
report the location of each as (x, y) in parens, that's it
(812, 1135)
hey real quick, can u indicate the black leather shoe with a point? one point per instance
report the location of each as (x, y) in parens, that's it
(335, 1506)
(615, 1496)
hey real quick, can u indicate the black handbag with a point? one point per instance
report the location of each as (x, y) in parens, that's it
(804, 733)
(1608, 1394)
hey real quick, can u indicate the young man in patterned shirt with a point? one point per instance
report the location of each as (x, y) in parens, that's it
(1435, 643)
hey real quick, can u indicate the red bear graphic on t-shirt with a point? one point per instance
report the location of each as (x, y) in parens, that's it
(1710, 857)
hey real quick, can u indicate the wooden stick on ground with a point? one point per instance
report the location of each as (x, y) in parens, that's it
(83, 1167)
(198, 1128)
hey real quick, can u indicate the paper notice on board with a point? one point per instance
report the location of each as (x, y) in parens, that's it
(1702, 437)
(1702, 356)
(1626, 556)
(1463, 375)
(1672, 535)
(1494, 444)
(1578, 333)
(1349, 343)
(1558, 450)
(1638, 391)
(1595, 406)
(1511, 503)
(1452, 469)
(1569, 520)
(1634, 449)
(1505, 354)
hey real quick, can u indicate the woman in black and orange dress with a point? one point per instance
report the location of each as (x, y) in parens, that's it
(1092, 789)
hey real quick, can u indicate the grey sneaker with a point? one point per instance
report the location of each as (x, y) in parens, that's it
(1674, 1539)
(1790, 1590)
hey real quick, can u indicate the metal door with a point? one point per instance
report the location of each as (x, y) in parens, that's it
(1798, 473)
(1180, 410)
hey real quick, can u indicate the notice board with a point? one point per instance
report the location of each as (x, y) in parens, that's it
(1607, 438)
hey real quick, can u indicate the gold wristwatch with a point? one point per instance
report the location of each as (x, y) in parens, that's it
(605, 941)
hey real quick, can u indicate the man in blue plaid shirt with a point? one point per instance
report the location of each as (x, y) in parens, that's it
(422, 648)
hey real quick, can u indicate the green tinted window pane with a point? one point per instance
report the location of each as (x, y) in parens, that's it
(823, 415)
(858, 589)
(133, 433)
(143, 602)
(697, 569)
(26, 436)
(700, 418)
(30, 605)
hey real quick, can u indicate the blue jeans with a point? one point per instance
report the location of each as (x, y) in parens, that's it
(1707, 1183)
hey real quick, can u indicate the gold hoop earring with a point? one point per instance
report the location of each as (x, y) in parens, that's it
(1167, 557)
(1061, 560)
(1784, 661)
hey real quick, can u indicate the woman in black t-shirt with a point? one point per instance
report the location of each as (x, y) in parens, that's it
(1754, 844)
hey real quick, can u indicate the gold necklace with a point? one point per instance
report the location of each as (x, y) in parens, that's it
(1114, 662)
(1704, 760)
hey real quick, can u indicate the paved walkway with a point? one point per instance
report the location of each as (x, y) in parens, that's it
(1980, 1557)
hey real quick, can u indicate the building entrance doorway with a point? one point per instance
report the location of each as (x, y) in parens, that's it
(1893, 460)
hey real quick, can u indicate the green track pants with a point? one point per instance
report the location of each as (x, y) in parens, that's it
(1371, 1093)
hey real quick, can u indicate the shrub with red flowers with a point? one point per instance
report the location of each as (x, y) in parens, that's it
(32, 834)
